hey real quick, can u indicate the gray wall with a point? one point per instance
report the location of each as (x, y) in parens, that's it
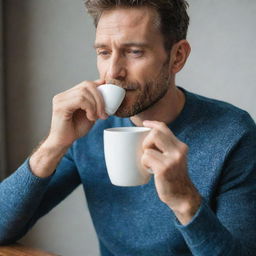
(222, 64)
(2, 115)
(49, 50)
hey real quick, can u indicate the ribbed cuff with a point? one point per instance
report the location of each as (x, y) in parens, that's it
(205, 233)
(26, 174)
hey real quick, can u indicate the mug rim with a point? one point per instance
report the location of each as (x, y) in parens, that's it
(127, 129)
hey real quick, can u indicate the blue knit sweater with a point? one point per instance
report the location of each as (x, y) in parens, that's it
(132, 221)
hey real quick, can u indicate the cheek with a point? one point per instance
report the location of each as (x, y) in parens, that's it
(146, 70)
(140, 71)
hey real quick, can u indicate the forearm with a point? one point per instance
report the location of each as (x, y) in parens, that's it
(45, 159)
(20, 195)
(24, 197)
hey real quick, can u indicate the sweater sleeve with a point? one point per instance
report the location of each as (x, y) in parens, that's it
(228, 226)
(24, 197)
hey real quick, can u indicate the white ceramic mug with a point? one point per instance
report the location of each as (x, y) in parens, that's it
(123, 152)
(113, 96)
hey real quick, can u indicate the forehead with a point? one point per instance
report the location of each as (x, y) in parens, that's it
(139, 23)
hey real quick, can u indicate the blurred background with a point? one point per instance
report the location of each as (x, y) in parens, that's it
(46, 48)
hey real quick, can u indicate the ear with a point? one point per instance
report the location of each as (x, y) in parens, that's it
(179, 55)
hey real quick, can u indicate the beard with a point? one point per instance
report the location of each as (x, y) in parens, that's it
(139, 97)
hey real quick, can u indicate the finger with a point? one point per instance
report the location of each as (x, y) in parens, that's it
(161, 126)
(92, 87)
(82, 96)
(99, 81)
(100, 104)
(89, 105)
(154, 140)
(76, 102)
(160, 141)
(160, 137)
(86, 82)
(89, 91)
(152, 159)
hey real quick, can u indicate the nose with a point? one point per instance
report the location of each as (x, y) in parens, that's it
(116, 69)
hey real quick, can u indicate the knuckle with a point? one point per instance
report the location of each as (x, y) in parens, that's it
(81, 98)
(162, 125)
(177, 156)
(144, 147)
(147, 152)
(182, 151)
(56, 103)
(184, 148)
(90, 115)
(55, 99)
(173, 160)
(87, 84)
(83, 90)
(90, 85)
(155, 133)
(166, 165)
(57, 108)
(143, 159)
(145, 156)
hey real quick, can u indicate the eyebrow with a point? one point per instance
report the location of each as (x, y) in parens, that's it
(129, 44)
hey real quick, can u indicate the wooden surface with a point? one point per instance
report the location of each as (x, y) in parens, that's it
(21, 250)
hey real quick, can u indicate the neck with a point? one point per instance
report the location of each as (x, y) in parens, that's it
(165, 110)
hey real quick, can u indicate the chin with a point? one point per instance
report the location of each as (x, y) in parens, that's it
(132, 110)
(123, 113)
(126, 109)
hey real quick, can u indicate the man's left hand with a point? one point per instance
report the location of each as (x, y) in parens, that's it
(166, 156)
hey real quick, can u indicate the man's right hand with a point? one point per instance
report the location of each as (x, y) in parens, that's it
(74, 113)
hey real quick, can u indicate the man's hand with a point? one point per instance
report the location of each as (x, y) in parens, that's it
(166, 156)
(74, 113)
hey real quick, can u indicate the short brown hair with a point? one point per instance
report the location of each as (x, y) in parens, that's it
(173, 15)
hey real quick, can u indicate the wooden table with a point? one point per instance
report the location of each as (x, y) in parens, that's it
(21, 250)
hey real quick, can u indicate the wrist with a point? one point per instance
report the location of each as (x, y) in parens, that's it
(50, 145)
(187, 208)
(44, 160)
(59, 143)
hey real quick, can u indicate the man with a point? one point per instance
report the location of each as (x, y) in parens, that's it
(201, 199)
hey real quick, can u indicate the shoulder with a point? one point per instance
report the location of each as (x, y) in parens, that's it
(220, 115)
(217, 125)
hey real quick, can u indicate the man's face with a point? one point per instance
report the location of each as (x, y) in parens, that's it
(131, 54)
